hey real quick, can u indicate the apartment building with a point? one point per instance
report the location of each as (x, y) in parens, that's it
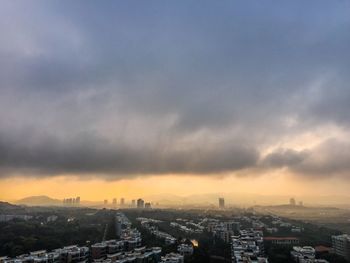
(341, 245)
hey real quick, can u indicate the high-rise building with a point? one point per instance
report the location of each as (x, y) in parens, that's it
(105, 202)
(133, 203)
(71, 201)
(114, 202)
(140, 203)
(148, 205)
(292, 201)
(221, 203)
(341, 245)
(122, 201)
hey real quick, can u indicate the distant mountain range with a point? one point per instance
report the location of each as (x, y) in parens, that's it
(41, 200)
(7, 208)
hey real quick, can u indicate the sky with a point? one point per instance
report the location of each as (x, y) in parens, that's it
(138, 97)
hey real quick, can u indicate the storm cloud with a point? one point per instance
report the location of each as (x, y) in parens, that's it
(331, 157)
(120, 89)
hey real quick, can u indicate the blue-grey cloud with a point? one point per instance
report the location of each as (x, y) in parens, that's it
(157, 87)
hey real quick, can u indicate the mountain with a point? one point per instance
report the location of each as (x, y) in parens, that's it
(41, 200)
(7, 208)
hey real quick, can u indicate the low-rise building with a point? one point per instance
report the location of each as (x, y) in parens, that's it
(172, 258)
(73, 254)
(303, 254)
(185, 249)
(248, 246)
(282, 241)
(70, 254)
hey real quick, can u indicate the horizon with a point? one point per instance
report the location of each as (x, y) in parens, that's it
(205, 199)
(113, 99)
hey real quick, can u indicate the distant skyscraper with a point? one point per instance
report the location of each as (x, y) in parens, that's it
(77, 200)
(114, 202)
(122, 201)
(148, 205)
(133, 203)
(221, 203)
(292, 201)
(105, 202)
(140, 203)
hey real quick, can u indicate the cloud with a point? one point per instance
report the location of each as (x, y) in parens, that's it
(120, 89)
(329, 158)
(88, 154)
(284, 158)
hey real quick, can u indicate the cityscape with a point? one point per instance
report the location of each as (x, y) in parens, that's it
(187, 131)
(140, 231)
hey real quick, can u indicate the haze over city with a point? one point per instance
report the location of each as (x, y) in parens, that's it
(144, 98)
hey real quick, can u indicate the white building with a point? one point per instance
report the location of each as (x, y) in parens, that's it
(248, 246)
(303, 254)
(172, 258)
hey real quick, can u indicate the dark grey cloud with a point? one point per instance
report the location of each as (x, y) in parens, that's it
(285, 158)
(148, 88)
(329, 158)
(88, 154)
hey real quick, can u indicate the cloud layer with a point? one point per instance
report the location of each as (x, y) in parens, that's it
(125, 89)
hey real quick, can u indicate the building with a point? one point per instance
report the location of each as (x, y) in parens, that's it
(114, 202)
(106, 252)
(172, 258)
(282, 241)
(140, 203)
(292, 201)
(248, 246)
(185, 249)
(102, 250)
(99, 250)
(105, 202)
(133, 203)
(127, 249)
(303, 254)
(233, 226)
(341, 245)
(70, 254)
(122, 201)
(73, 254)
(221, 203)
(71, 201)
(138, 255)
(40, 256)
(148, 205)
